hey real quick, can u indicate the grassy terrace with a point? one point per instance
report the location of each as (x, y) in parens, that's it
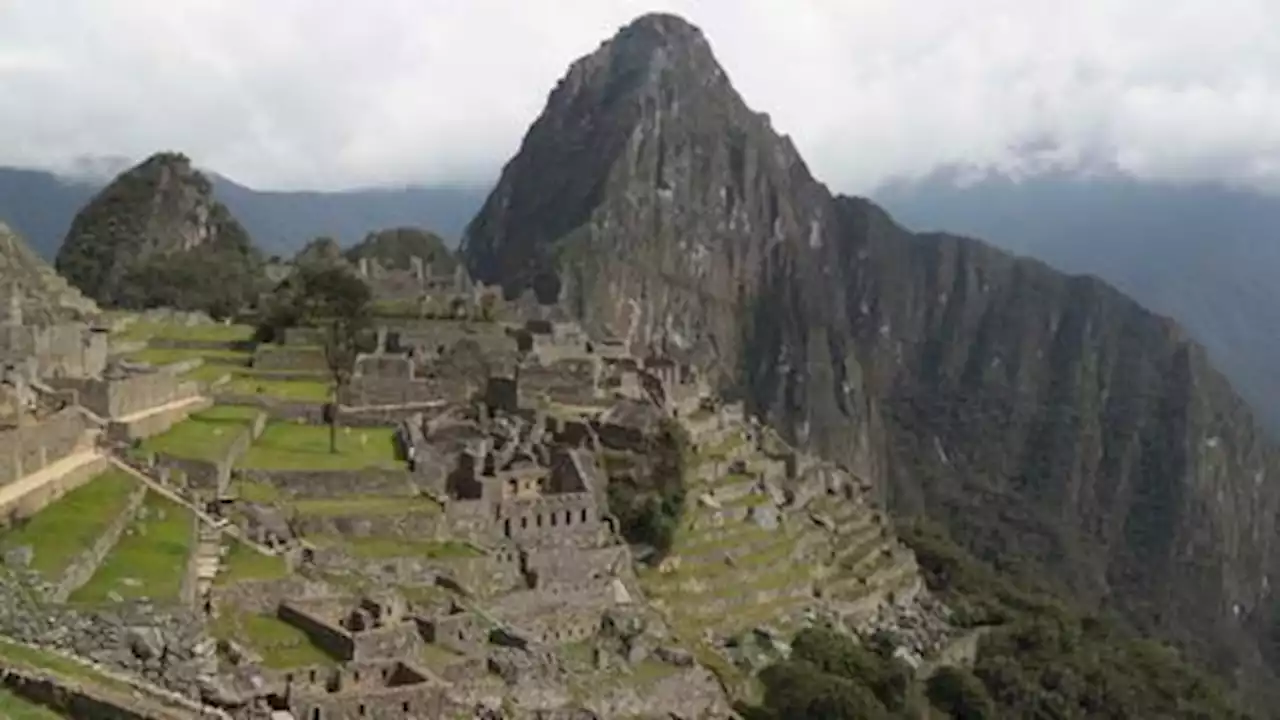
(70, 525)
(150, 559)
(289, 446)
(142, 330)
(15, 655)
(14, 707)
(169, 356)
(363, 505)
(206, 435)
(318, 390)
(244, 563)
(281, 645)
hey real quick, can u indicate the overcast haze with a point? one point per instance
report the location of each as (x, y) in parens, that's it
(331, 93)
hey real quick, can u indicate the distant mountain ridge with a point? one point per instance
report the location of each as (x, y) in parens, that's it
(1204, 254)
(39, 205)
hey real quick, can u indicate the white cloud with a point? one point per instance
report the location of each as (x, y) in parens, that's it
(330, 93)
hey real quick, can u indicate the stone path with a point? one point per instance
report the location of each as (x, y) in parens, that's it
(167, 407)
(208, 561)
(14, 492)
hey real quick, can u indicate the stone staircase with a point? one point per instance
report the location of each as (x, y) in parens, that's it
(208, 560)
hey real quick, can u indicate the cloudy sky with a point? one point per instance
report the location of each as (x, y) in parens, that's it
(333, 93)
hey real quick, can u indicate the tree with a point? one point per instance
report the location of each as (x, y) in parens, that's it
(334, 300)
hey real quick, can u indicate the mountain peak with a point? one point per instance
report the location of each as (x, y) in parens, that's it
(140, 240)
(645, 131)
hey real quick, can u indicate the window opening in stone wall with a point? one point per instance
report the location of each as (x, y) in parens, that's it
(315, 713)
(524, 523)
(584, 514)
(539, 519)
(362, 711)
(568, 517)
(405, 706)
(553, 519)
(506, 530)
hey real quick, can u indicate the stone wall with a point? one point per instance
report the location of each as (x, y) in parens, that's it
(71, 350)
(38, 498)
(334, 483)
(461, 631)
(375, 391)
(423, 700)
(550, 517)
(280, 357)
(427, 524)
(332, 639)
(388, 643)
(154, 423)
(84, 701)
(26, 449)
(575, 565)
(210, 477)
(129, 395)
(86, 563)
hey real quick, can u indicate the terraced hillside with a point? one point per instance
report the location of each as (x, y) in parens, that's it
(456, 536)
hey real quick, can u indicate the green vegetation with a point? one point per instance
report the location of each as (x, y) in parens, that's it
(11, 653)
(124, 250)
(71, 524)
(394, 248)
(169, 356)
(332, 299)
(297, 390)
(244, 563)
(288, 446)
(358, 505)
(15, 707)
(149, 561)
(649, 507)
(210, 333)
(206, 435)
(1043, 660)
(281, 645)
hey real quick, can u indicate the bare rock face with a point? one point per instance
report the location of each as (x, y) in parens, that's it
(1048, 420)
(143, 240)
(41, 296)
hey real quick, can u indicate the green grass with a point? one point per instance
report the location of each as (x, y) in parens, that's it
(298, 390)
(257, 492)
(281, 645)
(71, 524)
(169, 356)
(31, 658)
(149, 561)
(14, 707)
(141, 330)
(206, 435)
(363, 505)
(244, 563)
(289, 446)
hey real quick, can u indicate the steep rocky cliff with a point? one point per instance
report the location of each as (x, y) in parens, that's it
(42, 295)
(1051, 422)
(156, 236)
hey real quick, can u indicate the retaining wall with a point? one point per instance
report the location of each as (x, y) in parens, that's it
(88, 561)
(36, 500)
(28, 448)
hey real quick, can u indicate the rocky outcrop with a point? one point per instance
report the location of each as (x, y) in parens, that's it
(156, 236)
(43, 296)
(1050, 421)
